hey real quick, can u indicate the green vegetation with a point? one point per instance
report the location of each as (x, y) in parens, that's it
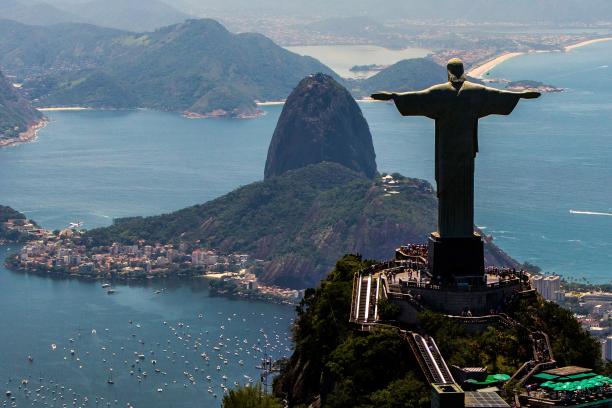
(406, 75)
(250, 397)
(403, 76)
(388, 311)
(570, 343)
(298, 223)
(7, 213)
(196, 66)
(343, 367)
(16, 114)
(500, 350)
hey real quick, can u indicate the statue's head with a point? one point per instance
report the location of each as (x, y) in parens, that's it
(456, 74)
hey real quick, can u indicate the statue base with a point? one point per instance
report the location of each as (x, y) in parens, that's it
(456, 261)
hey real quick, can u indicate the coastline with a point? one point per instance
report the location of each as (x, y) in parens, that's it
(63, 108)
(25, 137)
(270, 103)
(124, 280)
(220, 113)
(479, 71)
(585, 43)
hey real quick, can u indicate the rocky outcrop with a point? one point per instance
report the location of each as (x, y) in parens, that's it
(321, 122)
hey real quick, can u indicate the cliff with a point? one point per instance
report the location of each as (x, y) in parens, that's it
(321, 122)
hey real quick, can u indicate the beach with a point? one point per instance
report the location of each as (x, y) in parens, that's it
(270, 103)
(480, 71)
(63, 108)
(26, 136)
(585, 43)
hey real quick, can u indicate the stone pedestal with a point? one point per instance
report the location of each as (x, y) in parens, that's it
(457, 260)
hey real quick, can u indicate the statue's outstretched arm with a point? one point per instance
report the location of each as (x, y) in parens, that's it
(530, 95)
(523, 94)
(383, 96)
(500, 102)
(419, 103)
(387, 96)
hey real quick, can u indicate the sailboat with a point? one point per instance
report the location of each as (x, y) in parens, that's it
(110, 377)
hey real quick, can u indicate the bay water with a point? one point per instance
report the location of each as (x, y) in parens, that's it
(544, 192)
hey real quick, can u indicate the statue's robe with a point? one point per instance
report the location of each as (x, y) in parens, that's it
(456, 112)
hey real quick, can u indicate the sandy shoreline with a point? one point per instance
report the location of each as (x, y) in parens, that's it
(480, 71)
(25, 137)
(63, 108)
(585, 43)
(270, 103)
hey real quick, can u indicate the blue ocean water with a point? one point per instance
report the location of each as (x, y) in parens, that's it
(550, 157)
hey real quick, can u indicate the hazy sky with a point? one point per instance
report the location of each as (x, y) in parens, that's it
(486, 10)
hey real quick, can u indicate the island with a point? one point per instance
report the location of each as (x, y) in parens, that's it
(527, 85)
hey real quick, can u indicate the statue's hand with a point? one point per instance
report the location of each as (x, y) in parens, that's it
(531, 95)
(383, 96)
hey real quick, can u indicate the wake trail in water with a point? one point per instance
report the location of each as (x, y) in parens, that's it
(603, 214)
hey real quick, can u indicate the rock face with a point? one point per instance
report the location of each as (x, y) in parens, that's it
(321, 122)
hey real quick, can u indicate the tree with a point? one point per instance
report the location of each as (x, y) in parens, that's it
(250, 397)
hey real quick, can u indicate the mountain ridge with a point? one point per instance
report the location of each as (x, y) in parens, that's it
(183, 67)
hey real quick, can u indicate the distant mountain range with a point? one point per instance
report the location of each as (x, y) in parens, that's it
(133, 15)
(196, 66)
(16, 113)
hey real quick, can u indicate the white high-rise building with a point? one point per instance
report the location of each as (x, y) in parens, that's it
(548, 286)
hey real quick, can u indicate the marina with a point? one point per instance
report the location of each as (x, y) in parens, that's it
(135, 349)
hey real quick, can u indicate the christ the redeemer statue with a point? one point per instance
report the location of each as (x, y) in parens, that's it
(455, 251)
(456, 107)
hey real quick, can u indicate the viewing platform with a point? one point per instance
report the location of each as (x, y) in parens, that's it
(407, 282)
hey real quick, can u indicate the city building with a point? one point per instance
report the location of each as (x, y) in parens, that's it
(548, 286)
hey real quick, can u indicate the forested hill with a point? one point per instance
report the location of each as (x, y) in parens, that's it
(336, 366)
(299, 223)
(16, 114)
(9, 234)
(403, 76)
(196, 66)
